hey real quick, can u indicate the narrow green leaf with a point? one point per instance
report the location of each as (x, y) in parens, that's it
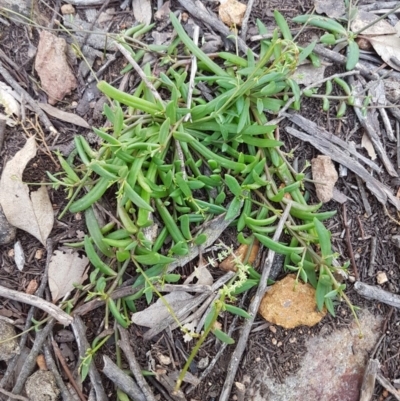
(223, 337)
(307, 51)
(209, 318)
(128, 100)
(233, 185)
(194, 49)
(200, 239)
(353, 55)
(234, 209)
(324, 237)
(320, 22)
(260, 142)
(283, 25)
(153, 258)
(136, 198)
(237, 311)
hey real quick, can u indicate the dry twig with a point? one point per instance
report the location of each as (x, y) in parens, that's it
(39, 292)
(30, 361)
(253, 309)
(377, 293)
(65, 394)
(212, 20)
(368, 384)
(83, 345)
(67, 371)
(22, 92)
(321, 140)
(122, 380)
(40, 303)
(246, 17)
(134, 365)
(348, 242)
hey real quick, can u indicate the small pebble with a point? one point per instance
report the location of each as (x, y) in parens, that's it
(67, 9)
(7, 231)
(381, 278)
(8, 343)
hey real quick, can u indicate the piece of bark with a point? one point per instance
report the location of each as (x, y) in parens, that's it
(368, 384)
(308, 125)
(387, 385)
(369, 125)
(376, 293)
(83, 345)
(122, 380)
(320, 139)
(197, 10)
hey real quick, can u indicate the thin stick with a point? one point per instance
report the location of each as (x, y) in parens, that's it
(40, 303)
(245, 21)
(140, 72)
(13, 396)
(386, 123)
(122, 380)
(368, 384)
(3, 124)
(340, 59)
(39, 292)
(221, 350)
(367, 124)
(22, 92)
(372, 257)
(83, 345)
(65, 394)
(213, 21)
(67, 371)
(348, 242)
(363, 193)
(30, 361)
(255, 304)
(134, 365)
(376, 293)
(387, 385)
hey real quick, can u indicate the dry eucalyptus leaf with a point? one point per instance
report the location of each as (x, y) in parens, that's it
(388, 47)
(232, 12)
(363, 18)
(64, 115)
(157, 312)
(202, 275)
(325, 175)
(65, 270)
(142, 11)
(8, 100)
(163, 12)
(33, 212)
(332, 8)
(367, 144)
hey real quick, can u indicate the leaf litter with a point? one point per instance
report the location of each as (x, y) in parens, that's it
(31, 212)
(66, 269)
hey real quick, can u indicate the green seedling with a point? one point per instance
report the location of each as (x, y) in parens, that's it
(167, 173)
